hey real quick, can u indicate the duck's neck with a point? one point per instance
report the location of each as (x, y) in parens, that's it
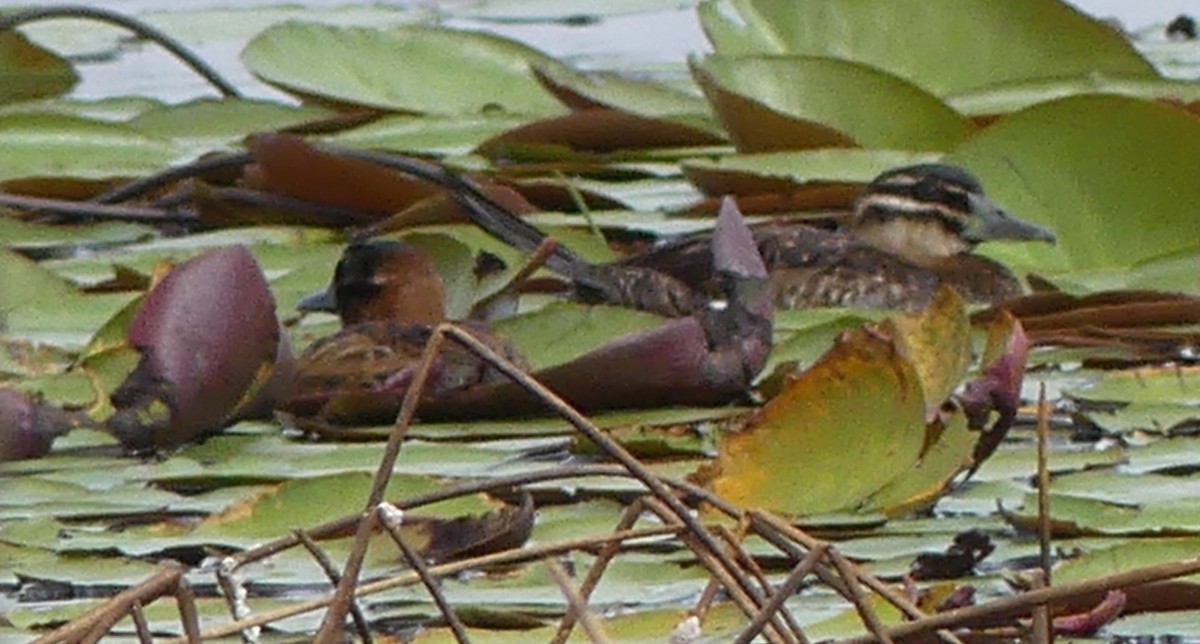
(920, 242)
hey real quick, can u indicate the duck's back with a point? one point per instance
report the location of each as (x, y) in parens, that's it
(812, 267)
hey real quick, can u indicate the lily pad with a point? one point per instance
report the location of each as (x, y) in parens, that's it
(579, 90)
(945, 46)
(1113, 200)
(794, 457)
(797, 102)
(408, 69)
(562, 332)
(426, 134)
(744, 174)
(58, 147)
(208, 125)
(1012, 97)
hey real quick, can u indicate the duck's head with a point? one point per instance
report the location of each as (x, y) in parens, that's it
(933, 211)
(383, 280)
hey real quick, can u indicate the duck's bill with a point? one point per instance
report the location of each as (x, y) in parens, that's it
(319, 301)
(993, 222)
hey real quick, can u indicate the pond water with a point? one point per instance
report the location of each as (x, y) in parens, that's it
(648, 41)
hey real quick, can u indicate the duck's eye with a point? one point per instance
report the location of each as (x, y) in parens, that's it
(927, 190)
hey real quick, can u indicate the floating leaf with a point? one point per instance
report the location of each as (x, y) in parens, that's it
(426, 134)
(290, 165)
(207, 125)
(56, 147)
(408, 68)
(561, 332)
(845, 171)
(944, 45)
(836, 434)
(600, 131)
(797, 102)
(937, 342)
(928, 480)
(1112, 200)
(1012, 97)
(582, 91)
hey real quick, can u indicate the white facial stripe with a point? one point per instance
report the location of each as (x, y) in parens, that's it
(908, 205)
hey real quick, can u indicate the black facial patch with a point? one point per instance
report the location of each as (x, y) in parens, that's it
(354, 276)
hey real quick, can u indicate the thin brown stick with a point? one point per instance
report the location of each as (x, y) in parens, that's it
(1007, 607)
(198, 168)
(234, 590)
(391, 519)
(533, 263)
(723, 574)
(628, 518)
(509, 557)
(782, 594)
(1041, 632)
(102, 618)
(576, 604)
(334, 623)
(189, 617)
(1043, 474)
(862, 602)
(713, 588)
(615, 451)
(335, 577)
(89, 210)
(347, 524)
(144, 30)
(744, 558)
(140, 625)
(797, 544)
(767, 524)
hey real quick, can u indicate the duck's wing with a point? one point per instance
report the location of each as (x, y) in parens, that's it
(361, 373)
(813, 268)
(979, 280)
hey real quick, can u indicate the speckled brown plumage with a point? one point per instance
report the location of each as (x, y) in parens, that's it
(912, 230)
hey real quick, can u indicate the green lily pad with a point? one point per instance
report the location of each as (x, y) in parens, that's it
(946, 46)
(1012, 97)
(799, 168)
(614, 91)
(1121, 488)
(426, 134)
(1152, 385)
(115, 108)
(19, 234)
(406, 69)
(42, 307)
(57, 146)
(1090, 516)
(1110, 175)
(206, 125)
(562, 332)
(793, 102)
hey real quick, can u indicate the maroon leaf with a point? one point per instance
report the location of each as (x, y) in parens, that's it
(27, 426)
(709, 358)
(1086, 624)
(997, 389)
(209, 338)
